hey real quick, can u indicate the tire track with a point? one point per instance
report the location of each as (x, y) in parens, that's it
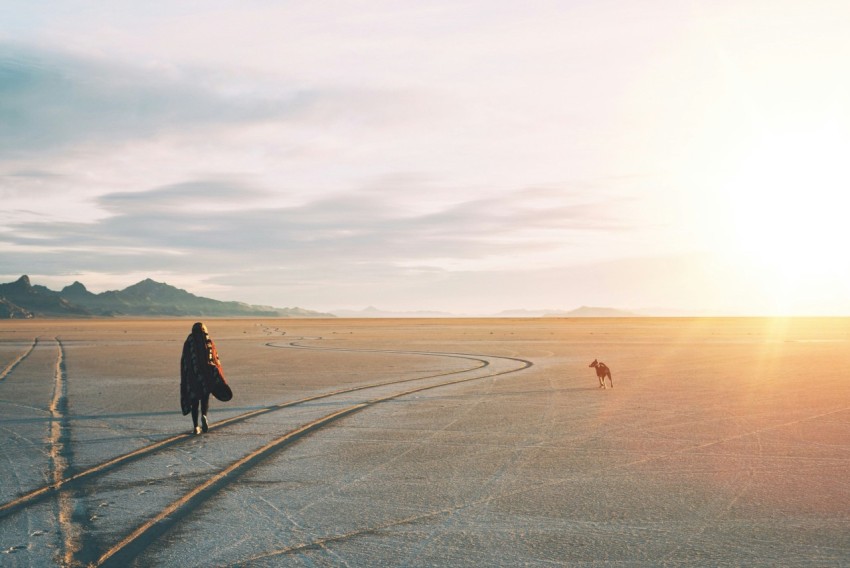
(57, 484)
(77, 548)
(11, 366)
(58, 452)
(131, 546)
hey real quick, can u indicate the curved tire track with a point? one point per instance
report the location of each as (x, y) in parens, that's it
(76, 550)
(45, 491)
(131, 546)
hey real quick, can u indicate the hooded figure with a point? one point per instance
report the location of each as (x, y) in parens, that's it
(200, 375)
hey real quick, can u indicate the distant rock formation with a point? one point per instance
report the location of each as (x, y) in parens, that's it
(582, 312)
(8, 310)
(593, 312)
(37, 300)
(523, 313)
(373, 312)
(22, 299)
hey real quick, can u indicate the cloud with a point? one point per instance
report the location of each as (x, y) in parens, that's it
(206, 224)
(170, 199)
(51, 100)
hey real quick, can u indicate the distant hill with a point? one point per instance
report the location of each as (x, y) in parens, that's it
(582, 312)
(373, 312)
(22, 299)
(592, 312)
(520, 313)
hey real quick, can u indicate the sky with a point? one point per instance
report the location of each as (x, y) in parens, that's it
(463, 156)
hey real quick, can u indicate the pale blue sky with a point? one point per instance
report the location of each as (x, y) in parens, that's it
(459, 156)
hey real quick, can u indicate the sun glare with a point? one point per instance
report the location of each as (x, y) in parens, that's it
(788, 201)
(775, 201)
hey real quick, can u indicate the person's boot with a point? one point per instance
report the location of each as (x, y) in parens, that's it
(204, 425)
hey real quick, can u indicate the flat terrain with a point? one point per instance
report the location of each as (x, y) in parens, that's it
(429, 443)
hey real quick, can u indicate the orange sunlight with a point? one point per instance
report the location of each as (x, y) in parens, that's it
(776, 202)
(788, 198)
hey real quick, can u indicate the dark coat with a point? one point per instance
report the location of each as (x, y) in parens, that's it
(200, 370)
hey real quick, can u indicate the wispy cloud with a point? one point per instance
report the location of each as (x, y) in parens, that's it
(50, 100)
(201, 225)
(187, 198)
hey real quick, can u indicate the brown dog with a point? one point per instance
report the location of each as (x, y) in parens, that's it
(602, 371)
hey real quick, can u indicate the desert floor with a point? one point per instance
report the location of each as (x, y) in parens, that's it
(478, 442)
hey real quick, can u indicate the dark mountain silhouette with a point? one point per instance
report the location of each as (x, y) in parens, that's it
(37, 300)
(8, 310)
(22, 299)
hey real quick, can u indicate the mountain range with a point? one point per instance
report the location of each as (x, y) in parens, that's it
(22, 300)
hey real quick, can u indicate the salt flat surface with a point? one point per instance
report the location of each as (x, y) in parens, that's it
(723, 442)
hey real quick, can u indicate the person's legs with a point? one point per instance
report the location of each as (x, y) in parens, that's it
(205, 406)
(195, 415)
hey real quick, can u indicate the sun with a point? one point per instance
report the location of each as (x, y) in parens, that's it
(775, 201)
(788, 197)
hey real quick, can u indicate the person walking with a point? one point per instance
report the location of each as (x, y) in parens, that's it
(200, 375)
